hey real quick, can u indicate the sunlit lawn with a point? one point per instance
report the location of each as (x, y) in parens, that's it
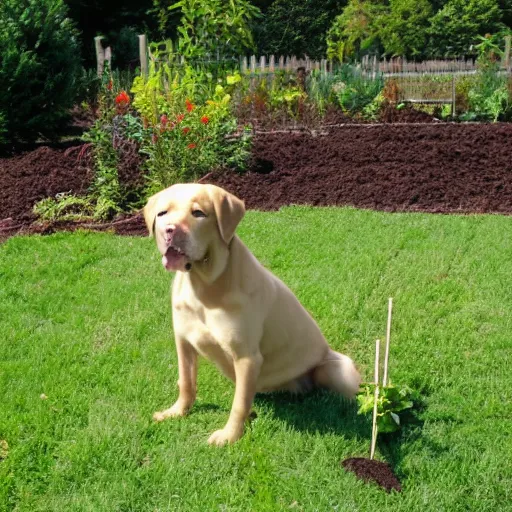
(85, 320)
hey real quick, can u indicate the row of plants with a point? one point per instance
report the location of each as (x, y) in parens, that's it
(185, 121)
(180, 123)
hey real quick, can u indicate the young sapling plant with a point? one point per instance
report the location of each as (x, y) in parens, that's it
(385, 402)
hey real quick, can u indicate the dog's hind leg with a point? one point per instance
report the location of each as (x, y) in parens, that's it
(337, 372)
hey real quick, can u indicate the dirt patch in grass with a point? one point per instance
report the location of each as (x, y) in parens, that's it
(373, 471)
(442, 168)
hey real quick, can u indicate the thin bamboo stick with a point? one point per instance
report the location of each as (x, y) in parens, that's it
(374, 422)
(388, 336)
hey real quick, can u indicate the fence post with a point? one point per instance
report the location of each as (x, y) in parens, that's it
(453, 96)
(272, 64)
(507, 52)
(100, 55)
(143, 54)
(244, 65)
(262, 64)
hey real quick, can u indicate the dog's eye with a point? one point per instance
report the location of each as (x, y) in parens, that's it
(159, 214)
(198, 214)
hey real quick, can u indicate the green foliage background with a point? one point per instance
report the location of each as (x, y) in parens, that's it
(39, 66)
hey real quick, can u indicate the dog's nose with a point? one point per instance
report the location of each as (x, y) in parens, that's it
(170, 229)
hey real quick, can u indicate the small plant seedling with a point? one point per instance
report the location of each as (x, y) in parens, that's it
(385, 401)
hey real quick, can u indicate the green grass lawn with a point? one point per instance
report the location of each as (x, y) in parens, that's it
(85, 320)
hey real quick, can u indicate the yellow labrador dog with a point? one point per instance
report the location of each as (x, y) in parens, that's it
(228, 308)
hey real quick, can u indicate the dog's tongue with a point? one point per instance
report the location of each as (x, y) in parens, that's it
(174, 261)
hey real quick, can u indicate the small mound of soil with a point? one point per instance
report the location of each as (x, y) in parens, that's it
(407, 114)
(373, 471)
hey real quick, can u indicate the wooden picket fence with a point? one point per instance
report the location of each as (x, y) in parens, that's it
(264, 65)
(371, 66)
(431, 81)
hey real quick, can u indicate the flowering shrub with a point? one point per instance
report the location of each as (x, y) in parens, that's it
(184, 138)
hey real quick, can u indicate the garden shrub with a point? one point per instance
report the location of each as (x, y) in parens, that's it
(489, 97)
(39, 65)
(184, 138)
(296, 28)
(354, 90)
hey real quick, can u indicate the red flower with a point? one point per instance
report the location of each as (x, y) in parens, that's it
(164, 120)
(122, 99)
(180, 118)
(110, 85)
(192, 146)
(185, 130)
(190, 106)
(205, 120)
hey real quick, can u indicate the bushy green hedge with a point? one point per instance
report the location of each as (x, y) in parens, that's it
(39, 63)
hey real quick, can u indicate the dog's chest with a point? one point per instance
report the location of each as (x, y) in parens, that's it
(206, 330)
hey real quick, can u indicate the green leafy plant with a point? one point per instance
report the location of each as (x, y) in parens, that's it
(105, 189)
(39, 66)
(355, 31)
(181, 137)
(319, 88)
(217, 29)
(391, 401)
(64, 207)
(371, 110)
(489, 97)
(354, 91)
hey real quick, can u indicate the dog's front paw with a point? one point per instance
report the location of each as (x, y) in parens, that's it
(173, 412)
(225, 436)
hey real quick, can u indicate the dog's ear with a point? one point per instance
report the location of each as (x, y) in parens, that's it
(229, 211)
(150, 212)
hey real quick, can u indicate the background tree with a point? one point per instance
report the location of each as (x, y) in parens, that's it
(355, 31)
(403, 29)
(39, 64)
(456, 27)
(217, 28)
(292, 27)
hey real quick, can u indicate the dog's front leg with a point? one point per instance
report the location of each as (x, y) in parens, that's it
(187, 383)
(247, 370)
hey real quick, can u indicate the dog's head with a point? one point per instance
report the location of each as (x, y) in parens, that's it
(191, 221)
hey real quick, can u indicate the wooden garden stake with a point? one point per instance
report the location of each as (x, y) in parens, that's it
(388, 337)
(374, 423)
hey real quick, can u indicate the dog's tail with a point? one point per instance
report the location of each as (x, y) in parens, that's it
(337, 372)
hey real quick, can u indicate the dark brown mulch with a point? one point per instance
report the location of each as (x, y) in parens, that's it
(444, 168)
(373, 471)
(407, 114)
(42, 172)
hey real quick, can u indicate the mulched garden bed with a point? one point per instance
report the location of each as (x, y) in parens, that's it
(428, 167)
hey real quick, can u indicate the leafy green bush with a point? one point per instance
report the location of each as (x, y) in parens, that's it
(355, 32)
(391, 401)
(64, 207)
(296, 28)
(217, 29)
(39, 63)
(489, 96)
(456, 27)
(184, 138)
(355, 91)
